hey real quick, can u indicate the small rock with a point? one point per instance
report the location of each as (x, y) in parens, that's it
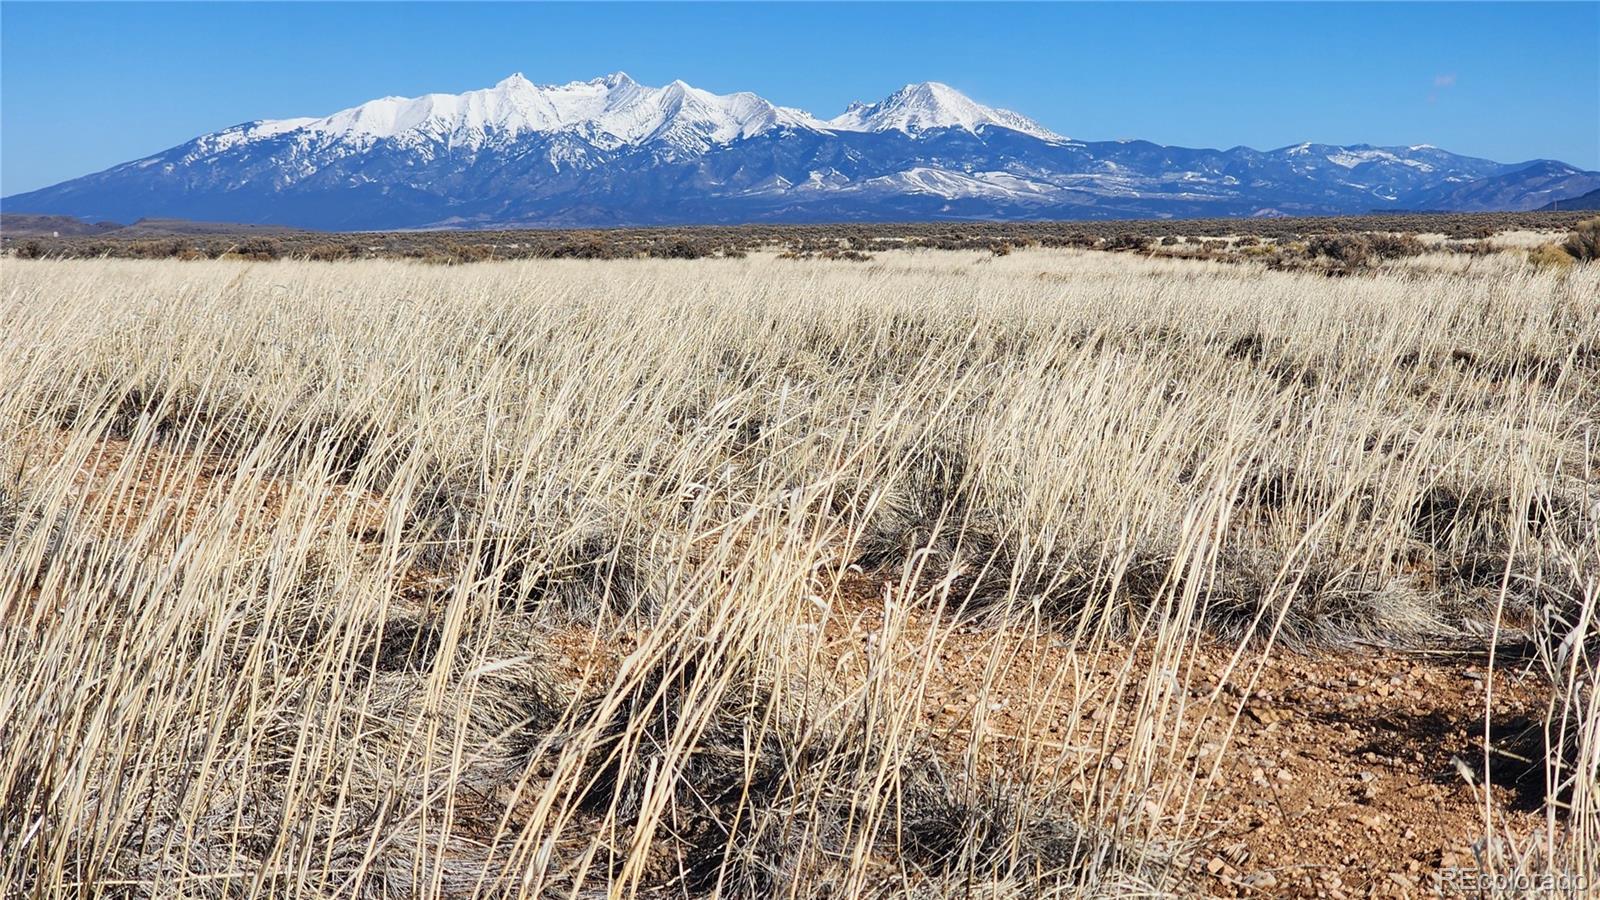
(1260, 880)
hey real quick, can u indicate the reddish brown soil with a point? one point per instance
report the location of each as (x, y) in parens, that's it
(1341, 777)
(177, 489)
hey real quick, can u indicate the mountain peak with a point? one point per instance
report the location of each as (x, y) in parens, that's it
(614, 110)
(608, 112)
(934, 91)
(926, 105)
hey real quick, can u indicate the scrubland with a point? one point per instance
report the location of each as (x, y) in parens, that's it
(1057, 573)
(1283, 241)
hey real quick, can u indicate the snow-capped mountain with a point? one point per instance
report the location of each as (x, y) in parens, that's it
(922, 107)
(613, 152)
(607, 113)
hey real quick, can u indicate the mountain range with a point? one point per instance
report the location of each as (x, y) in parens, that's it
(614, 152)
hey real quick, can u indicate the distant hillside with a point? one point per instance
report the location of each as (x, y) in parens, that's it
(1527, 188)
(34, 225)
(30, 225)
(176, 227)
(1590, 200)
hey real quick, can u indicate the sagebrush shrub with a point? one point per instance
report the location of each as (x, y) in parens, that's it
(1583, 244)
(1348, 249)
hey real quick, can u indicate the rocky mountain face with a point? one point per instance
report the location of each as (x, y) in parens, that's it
(613, 152)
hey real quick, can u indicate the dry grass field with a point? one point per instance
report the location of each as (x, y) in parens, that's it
(1055, 573)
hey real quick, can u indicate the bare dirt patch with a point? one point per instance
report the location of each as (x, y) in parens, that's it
(1333, 774)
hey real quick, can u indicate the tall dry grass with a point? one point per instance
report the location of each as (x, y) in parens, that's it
(383, 580)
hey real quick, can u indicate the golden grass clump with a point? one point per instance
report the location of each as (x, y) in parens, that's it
(649, 577)
(1551, 256)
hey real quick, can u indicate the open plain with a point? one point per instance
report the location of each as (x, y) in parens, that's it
(1046, 573)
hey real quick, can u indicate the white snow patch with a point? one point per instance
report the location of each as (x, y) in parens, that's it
(958, 185)
(1349, 159)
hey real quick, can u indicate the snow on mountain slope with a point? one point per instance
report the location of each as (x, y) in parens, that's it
(616, 111)
(960, 185)
(608, 112)
(919, 107)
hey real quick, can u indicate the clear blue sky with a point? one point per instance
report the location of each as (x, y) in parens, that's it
(85, 86)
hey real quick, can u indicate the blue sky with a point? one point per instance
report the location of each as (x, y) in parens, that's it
(85, 86)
